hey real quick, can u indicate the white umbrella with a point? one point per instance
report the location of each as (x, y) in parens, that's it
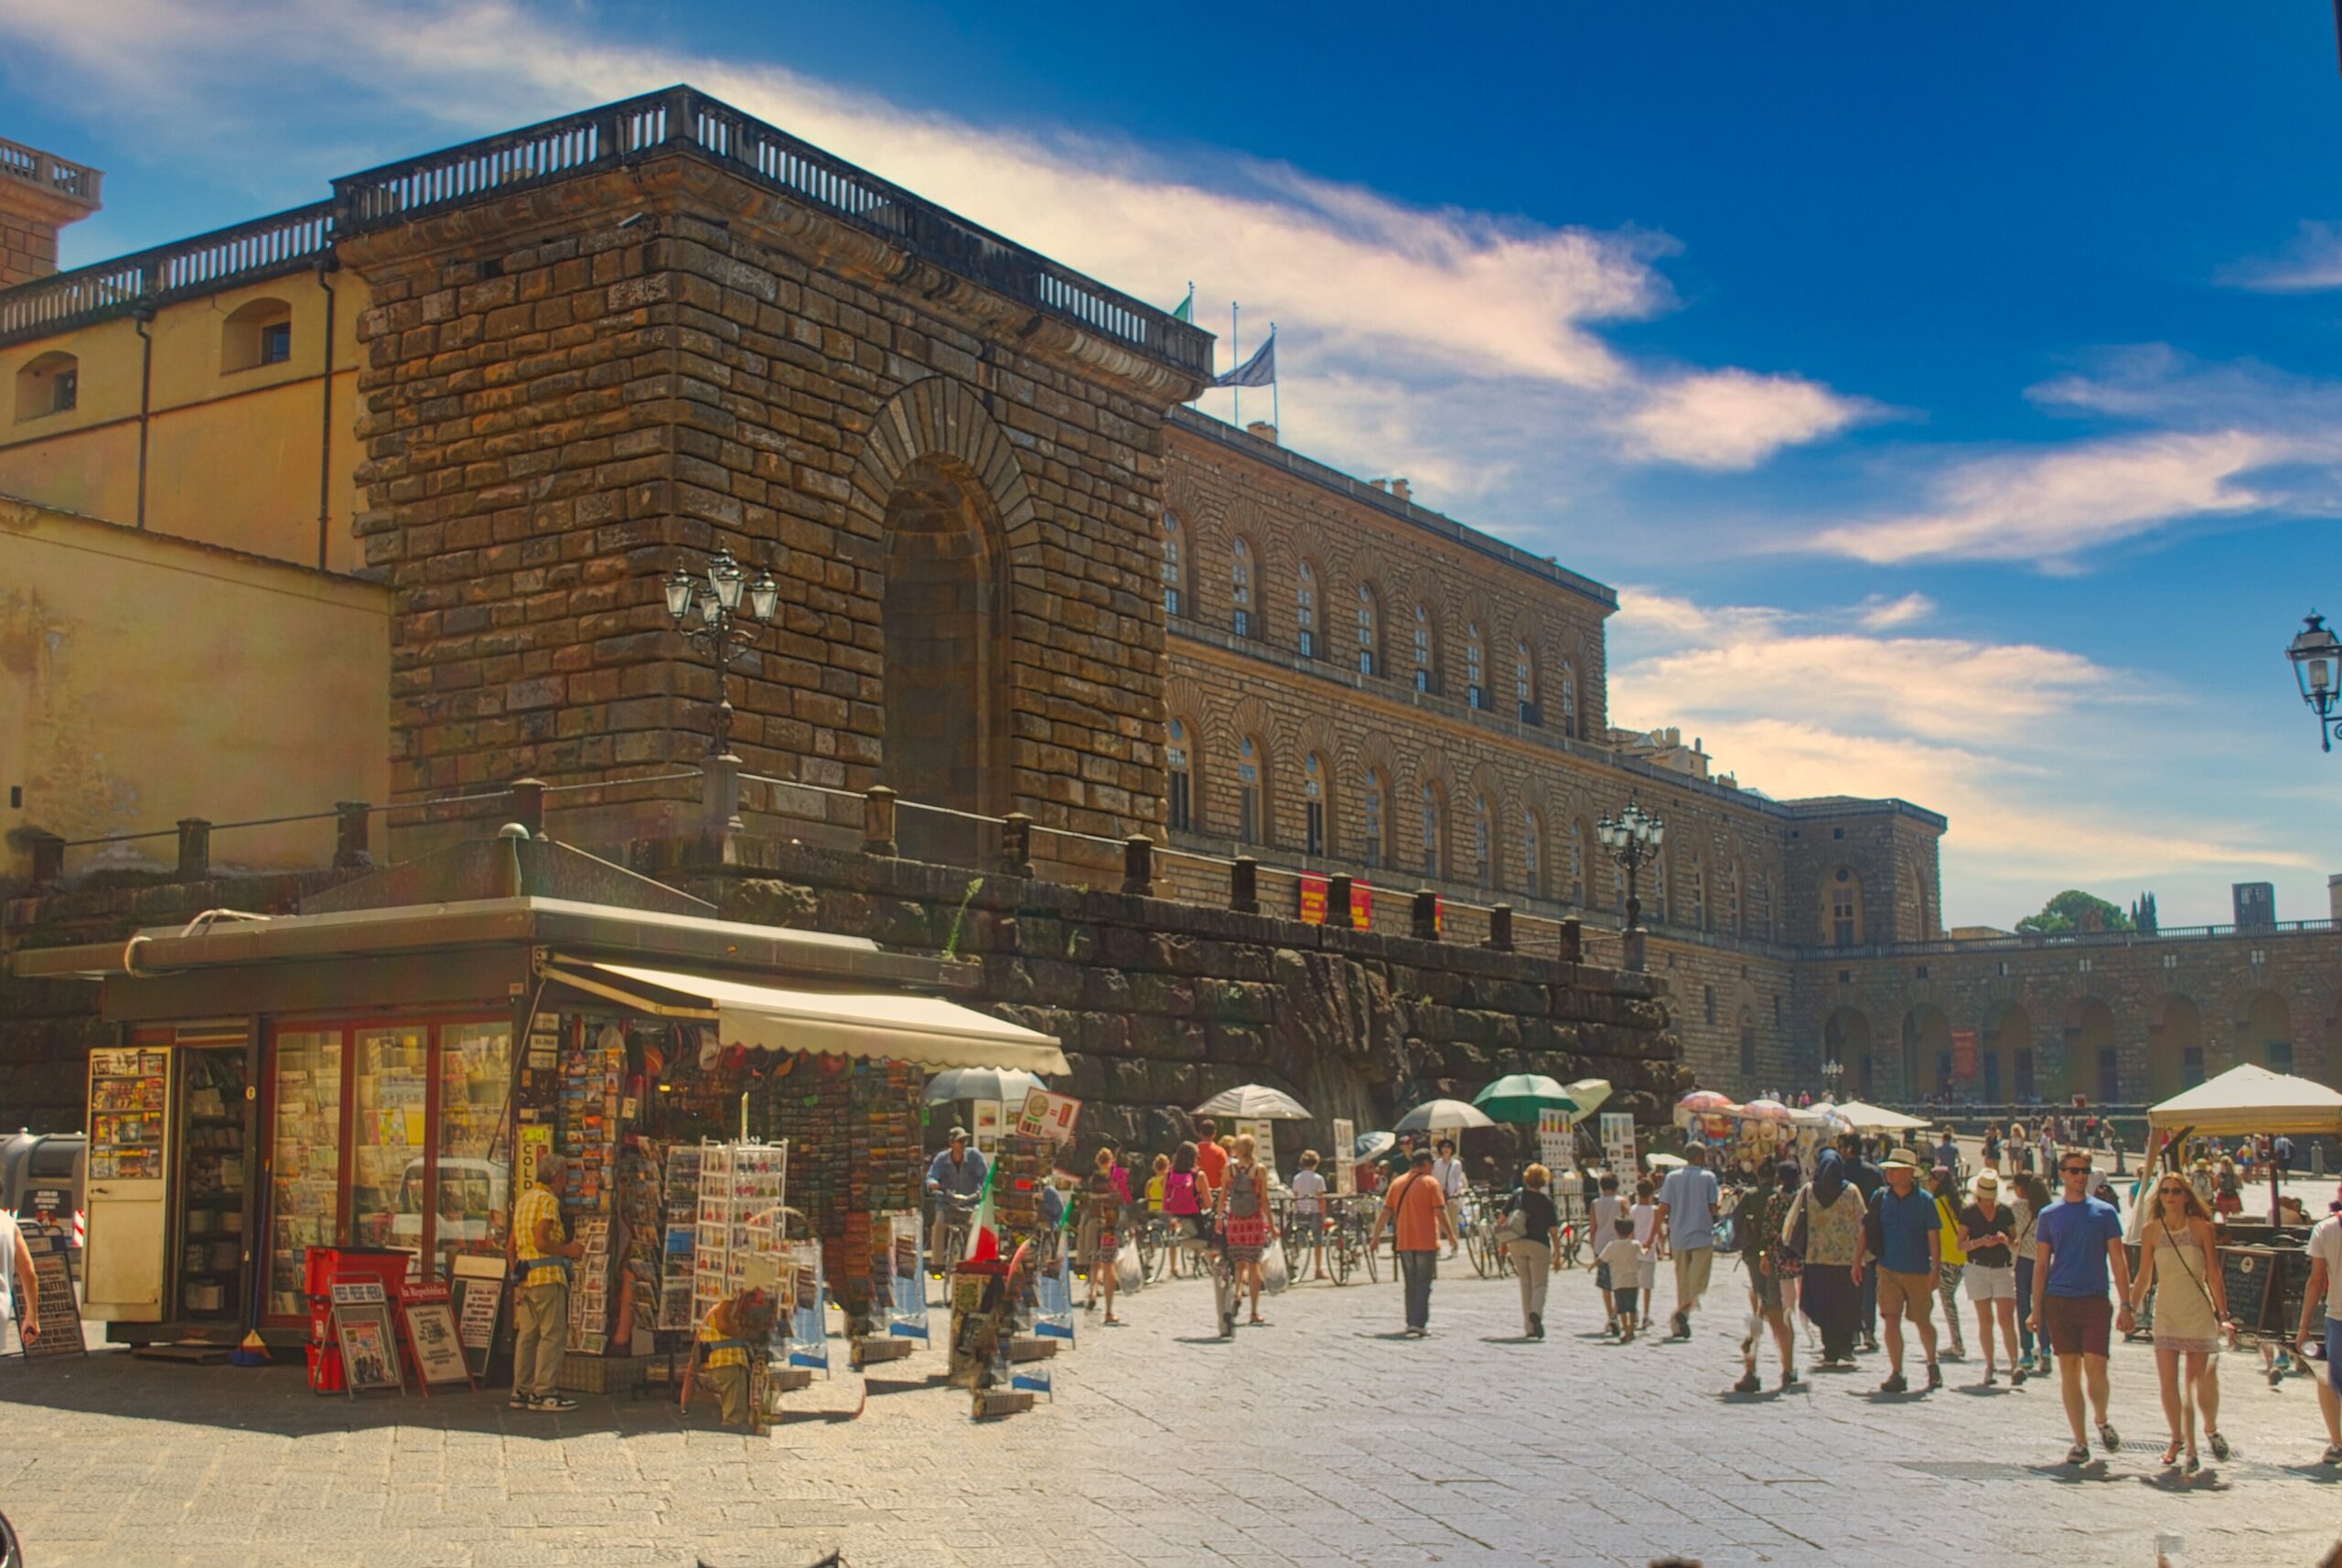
(1589, 1093)
(1008, 1085)
(1254, 1103)
(1864, 1117)
(1444, 1115)
(1663, 1161)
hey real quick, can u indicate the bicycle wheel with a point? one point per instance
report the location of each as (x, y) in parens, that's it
(1373, 1266)
(1224, 1294)
(1288, 1251)
(1337, 1254)
(1147, 1250)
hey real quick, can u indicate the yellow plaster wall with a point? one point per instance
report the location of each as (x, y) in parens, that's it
(234, 457)
(146, 678)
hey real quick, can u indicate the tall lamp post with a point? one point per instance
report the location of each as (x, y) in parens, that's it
(2316, 654)
(1633, 841)
(723, 632)
(1832, 1072)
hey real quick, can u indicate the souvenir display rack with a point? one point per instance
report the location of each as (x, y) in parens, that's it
(127, 1090)
(304, 1196)
(211, 1245)
(659, 1199)
(856, 1127)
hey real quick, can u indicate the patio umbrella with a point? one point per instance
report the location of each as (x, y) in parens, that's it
(1443, 1116)
(1767, 1110)
(1589, 1092)
(1521, 1096)
(1373, 1146)
(1664, 1162)
(1008, 1085)
(1254, 1103)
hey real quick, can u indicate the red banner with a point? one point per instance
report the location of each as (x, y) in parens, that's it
(1313, 902)
(1963, 1053)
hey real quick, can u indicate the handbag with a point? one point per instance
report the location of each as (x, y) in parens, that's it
(1602, 1277)
(1797, 1233)
(1513, 1227)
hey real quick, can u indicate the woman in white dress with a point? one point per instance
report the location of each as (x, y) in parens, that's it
(2179, 1261)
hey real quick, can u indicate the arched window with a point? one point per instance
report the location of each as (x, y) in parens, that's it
(1569, 699)
(1524, 684)
(1532, 855)
(1175, 565)
(1577, 862)
(1476, 660)
(1239, 590)
(255, 334)
(1369, 632)
(1183, 778)
(1841, 896)
(1305, 610)
(1657, 899)
(1375, 848)
(1697, 889)
(1423, 648)
(1734, 912)
(1313, 801)
(1434, 830)
(1483, 843)
(1251, 798)
(48, 384)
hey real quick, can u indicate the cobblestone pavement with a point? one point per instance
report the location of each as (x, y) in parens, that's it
(1323, 1439)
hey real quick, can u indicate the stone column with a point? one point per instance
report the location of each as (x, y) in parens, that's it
(1500, 929)
(1245, 885)
(1138, 866)
(1573, 942)
(878, 821)
(353, 821)
(1339, 896)
(1426, 915)
(194, 849)
(1016, 845)
(529, 805)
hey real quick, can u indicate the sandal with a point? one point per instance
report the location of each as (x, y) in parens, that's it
(2171, 1453)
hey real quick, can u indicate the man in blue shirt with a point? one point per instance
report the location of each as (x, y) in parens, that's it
(1687, 1226)
(2081, 1243)
(1909, 1265)
(955, 1179)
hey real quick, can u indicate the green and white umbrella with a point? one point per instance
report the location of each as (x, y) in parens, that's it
(1522, 1097)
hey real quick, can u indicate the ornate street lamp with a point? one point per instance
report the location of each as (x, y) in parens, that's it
(2316, 654)
(1832, 1071)
(1633, 841)
(723, 632)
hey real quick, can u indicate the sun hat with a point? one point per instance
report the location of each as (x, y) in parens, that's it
(958, 1135)
(1904, 1159)
(1985, 1181)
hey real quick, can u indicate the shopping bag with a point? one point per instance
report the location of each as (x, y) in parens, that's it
(1273, 1271)
(1128, 1276)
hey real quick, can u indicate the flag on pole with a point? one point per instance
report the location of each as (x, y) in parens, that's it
(983, 1240)
(1260, 370)
(1186, 310)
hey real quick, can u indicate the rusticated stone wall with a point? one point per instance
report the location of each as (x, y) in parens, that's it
(1162, 1004)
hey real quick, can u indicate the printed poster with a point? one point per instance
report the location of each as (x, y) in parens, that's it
(1554, 1139)
(1345, 1158)
(1050, 1116)
(1618, 1146)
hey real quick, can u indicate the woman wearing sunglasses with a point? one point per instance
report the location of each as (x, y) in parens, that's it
(2178, 1261)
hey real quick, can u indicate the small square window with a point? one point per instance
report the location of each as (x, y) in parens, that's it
(276, 343)
(1846, 977)
(1922, 971)
(1837, 833)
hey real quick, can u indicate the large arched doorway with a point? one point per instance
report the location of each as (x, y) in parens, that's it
(1926, 1052)
(2175, 1049)
(2005, 1066)
(943, 626)
(2268, 1038)
(1845, 1039)
(2093, 1064)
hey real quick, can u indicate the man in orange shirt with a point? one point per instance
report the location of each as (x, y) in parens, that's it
(1417, 1210)
(1211, 1158)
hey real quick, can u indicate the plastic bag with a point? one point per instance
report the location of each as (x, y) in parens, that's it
(1272, 1271)
(1128, 1276)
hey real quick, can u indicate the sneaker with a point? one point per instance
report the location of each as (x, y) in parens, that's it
(2016, 1376)
(553, 1403)
(1610, 1329)
(2333, 1454)
(2108, 1437)
(2220, 1443)
(1679, 1326)
(2078, 1455)
(1935, 1377)
(1870, 1343)
(1790, 1380)
(1895, 1385)
(520, 1401)
(1536, 1325)
(1747, 1384)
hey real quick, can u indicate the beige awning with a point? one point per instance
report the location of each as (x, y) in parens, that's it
(886, 1024)
(1864, 1117)
(2247, 1100)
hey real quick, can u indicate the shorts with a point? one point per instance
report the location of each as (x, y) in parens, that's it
(1693, 1265)
(1988, 1284)
(2077, 1325)
(1764, 1289)
(1647, 1277)
(2334, 1353)
(1624, 1301)
(1905, 1295)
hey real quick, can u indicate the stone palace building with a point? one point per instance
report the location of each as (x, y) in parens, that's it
(371, 501)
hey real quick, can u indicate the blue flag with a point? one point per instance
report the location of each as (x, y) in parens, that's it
(1260, 370)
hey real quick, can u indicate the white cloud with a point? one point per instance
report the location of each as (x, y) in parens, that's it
(2049, 506)
(1880, 614)
(2050, 775)
(1366, 288)
(2311, 263)
(1734, 418)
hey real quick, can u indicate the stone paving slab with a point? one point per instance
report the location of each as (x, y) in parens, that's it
(1323, 1440)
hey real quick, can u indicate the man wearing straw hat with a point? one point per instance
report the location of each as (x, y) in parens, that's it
(1911, 1261)
(1687, 1227)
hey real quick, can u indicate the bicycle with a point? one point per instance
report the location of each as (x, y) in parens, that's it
(956, 1215)
(1353, 1223)
(1211, 1256)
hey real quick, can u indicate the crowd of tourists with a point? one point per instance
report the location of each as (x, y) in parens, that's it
(1865, 1249)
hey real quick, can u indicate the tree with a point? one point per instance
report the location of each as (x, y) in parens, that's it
(2075, 910)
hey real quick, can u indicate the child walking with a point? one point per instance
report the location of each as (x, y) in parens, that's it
(1621, 1259)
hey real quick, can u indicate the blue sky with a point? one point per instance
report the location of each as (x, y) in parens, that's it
(1949, 392)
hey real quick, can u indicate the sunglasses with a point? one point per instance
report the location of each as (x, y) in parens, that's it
(2073, 1170)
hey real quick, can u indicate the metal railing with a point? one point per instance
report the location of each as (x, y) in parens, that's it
(246, 253)
(2060, 941)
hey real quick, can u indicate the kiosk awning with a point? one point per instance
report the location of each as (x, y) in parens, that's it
(884, 1024)
(2248, 1100)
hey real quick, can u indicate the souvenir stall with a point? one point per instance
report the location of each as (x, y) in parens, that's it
(376, 1077)
(2264, 1261)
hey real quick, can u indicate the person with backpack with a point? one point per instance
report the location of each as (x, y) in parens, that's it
(1759, 1228)
(1416, 1212)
